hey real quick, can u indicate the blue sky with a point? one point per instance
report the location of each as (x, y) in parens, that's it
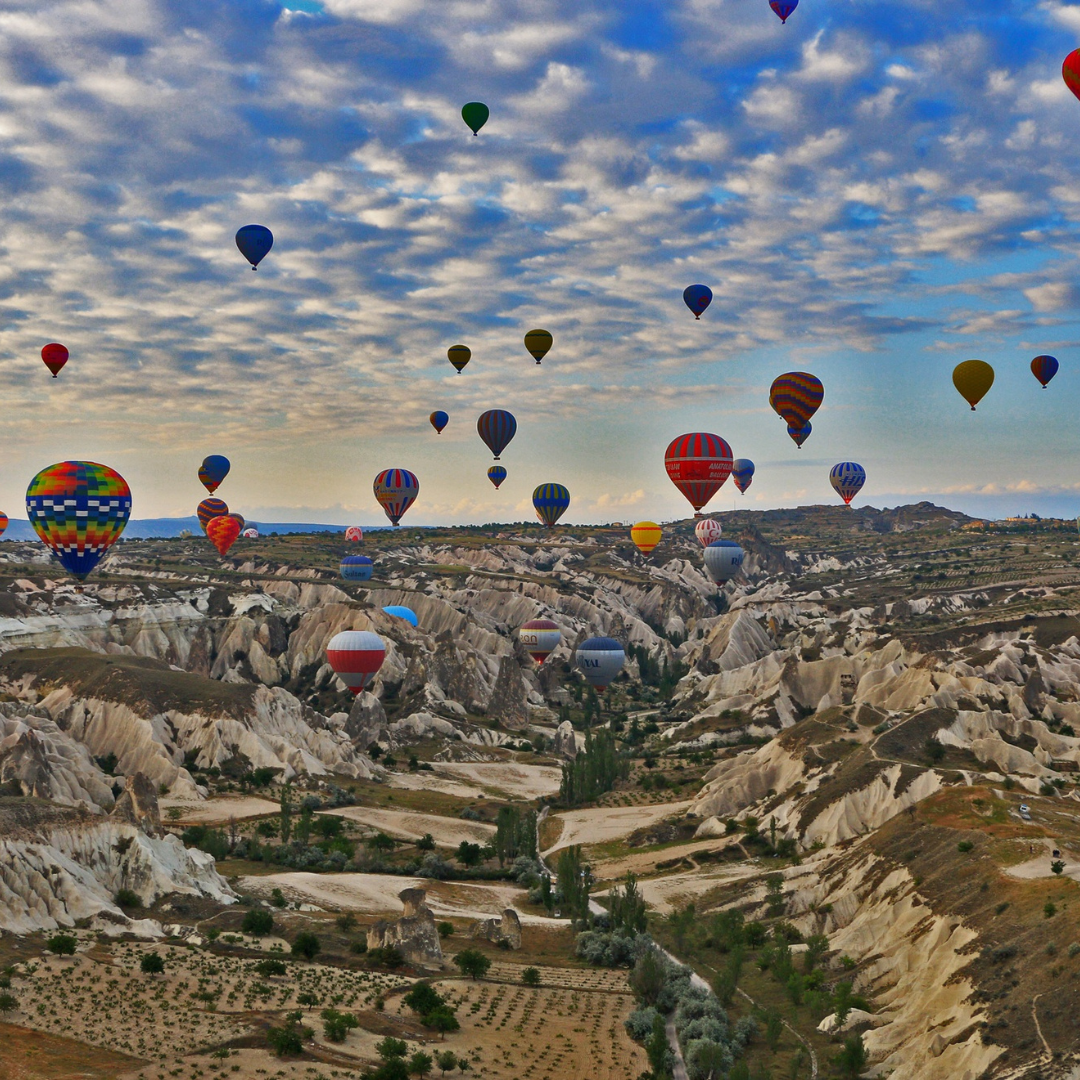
(874, 192)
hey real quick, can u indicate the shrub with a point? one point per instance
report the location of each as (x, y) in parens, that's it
(531, 976)
(473, 963)
(391, 1048)
(288, 1040)
(447, 1061)
(307, 945)
(151, 964)
(426, 842)
(346, 922)
(965, 846)
(62, 944)
(271, 967)
(359, 946)
(8, 1003)
(336, 1025)
(420, 1064)
(386, 956)
(257, 922)
(445, 929)
(277, 898)
(1049, 909)
(127, 898)
(1057, 866)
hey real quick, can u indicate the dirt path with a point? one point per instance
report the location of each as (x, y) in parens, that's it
(1038, 1028)
(412, 825)
(809, 1049)
(678, 1070)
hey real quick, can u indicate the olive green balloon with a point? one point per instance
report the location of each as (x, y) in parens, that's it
(475, 114)
(538, 342)
(459, 356)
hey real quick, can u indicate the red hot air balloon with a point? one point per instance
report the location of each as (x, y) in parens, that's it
(698, 464)
(3, 523)
(223, 531)
(354, 534)
(356, 656)
(796, 396)
(708, 530)
(55, 357)
(1070, 71)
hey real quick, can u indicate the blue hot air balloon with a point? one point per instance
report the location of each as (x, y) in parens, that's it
(213, 470)
(742, 472)
(550, 502)
(697, 298)
(356, 568)
(439, 420)
(783, 8)
(847, 480)
(600, 659)
(799, 435)
(496, 474)
(401, 612)
(1044, 368)
(497, 427)
(254, 242)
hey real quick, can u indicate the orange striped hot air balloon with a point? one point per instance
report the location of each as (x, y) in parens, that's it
(646, 535)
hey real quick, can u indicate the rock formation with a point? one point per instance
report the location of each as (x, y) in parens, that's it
(504, 931)
(138, 805)
(414, 935)
(564, 744)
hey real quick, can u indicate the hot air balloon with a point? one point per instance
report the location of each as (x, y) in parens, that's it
(496, 474)
(356, 568)
(540, 637)
(223, 531)
(254, 242)
(439, 420)
(78, 509)
(698, 464)
(742, 473)
(3, 523)
(399, 611)
(538, 342)
(707, 530)
(550, 502)
(354, 534)
(796, 396)
(496, 427)
(646, 535)
(239, 519)
(356, 656)
(396, 491)
(799, 435)
(722, 560)
(847, 480)
(210, 508)
(475, 114)
(697, 298)
(55, 356)
(973, 378)
(1070, 71)
(600, 659)
(212, 471)
(783, 8)
(1044, 368)
(250, 534)
(459, 356)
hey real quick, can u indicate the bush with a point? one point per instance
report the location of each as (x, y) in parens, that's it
(336, 1025)
(8, 1003)
(639, 1023)
(271, 967)
(346, 923)
(445, 929)
(965, 846)
(288, 1040)
(1049, 909)
(359, 946)
(531, 976)
(151, 964)
(1057, 866)
(473, 963)
(258, 922)
(426, 842)
(127, 898)
(307, 945)
(386, 956)
(62, 944)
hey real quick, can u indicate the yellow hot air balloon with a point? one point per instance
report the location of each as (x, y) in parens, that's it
(646, 535)
(973, 378)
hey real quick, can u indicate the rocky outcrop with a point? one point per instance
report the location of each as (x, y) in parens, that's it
(504, 931)
(414, 935)
(509, 696)
(138, 805)
(564, 742)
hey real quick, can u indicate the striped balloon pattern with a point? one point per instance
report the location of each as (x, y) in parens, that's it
(783, 8)
(212, 471)
(496, 474)
(356, 568)
(210, 508)
(847, 479)
(79, 509)
(540, 637)
(459, 356)
(1044, 368)
(646, 535)
(698, 464)
(742, 473)
(550, 502)
(707, 530)
(799, 435)
(356, 656)
(223, 531)
(796, 396)
(497, 427)
(354, 534)
(396, 491)
(3, 523)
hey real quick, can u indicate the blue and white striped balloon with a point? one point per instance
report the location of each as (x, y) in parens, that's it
(847, 480)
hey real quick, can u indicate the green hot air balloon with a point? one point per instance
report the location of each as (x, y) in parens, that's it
(538, 342)
(475, 114)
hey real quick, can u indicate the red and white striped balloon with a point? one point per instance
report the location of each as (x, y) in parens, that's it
(707, 530)
(354, 534)
(356, 656)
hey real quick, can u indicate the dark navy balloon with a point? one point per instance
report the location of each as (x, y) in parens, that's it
(1044, 368)
(783, 8)
(496, 427)
(213, 470)
(254, 242)
(697, 298)
(356, 568)
(439, 420)
(496, 474)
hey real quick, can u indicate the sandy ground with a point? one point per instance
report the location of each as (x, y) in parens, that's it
(644, 862)
(610, 823)
(506, 777)
(666, 894)
(377, 894)
(218, 811)
(1039, 866)
(410, 825)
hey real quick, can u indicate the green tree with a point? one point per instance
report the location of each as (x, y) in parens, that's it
(575, 881)
(62, 944)
(8, 1003)
(447, 1061)
(271, 967)
(842, 1002)
(307, 999)
(303, 826)
(426, 842)
(420, 1064)
(852, 1059)
(445, 929)
(628, 907)
(380, 842)
(472, 962)
(468, 854)
(647, 978)
(391, 1048)
(151, 964)
(336, 1025)
(286, 814)
(422, 998)
(1057, 866)
(680, 923)
(774, 893)
(774, 1029)
(288, 1040)
(817, 947)
(934, 750)
(657, 1050)
(531, 976)
(257, 922)
(307, 945)
(442, 1020)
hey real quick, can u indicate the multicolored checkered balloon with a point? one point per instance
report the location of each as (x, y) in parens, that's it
(79, 509)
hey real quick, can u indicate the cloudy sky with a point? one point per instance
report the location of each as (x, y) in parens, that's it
(874, 192)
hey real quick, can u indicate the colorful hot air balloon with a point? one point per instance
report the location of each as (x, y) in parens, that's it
(698, 464)
(697, 298)
(223, 531)
(475, 114)
(1070, 71)
(399, 611)
(459, 356)
(78, 509)
(356, 656)
(973, 378)
(3, 523)
(707, 530)
(439, 420)
(496, 427)
(55, 356)
(1044, 368)
(356, 568)
(396, 491)
(646, 535)
(239, 519)
(600, 659)
(354, 534)
(540, 637)
(783, 8)
(796, 396)
(210, 508)
(847, 480)
(742, 473)
(254, 242)
(212, 471)
(538, 342)
(250, 534)
(799, 435)
(496, 474)
(550, 502)
(722, 560)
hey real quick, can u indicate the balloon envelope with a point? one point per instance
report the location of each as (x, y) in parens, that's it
(796, 396)
(78, 509)
(496, 474)
(254, 242)
(799, 435)
(354, 534)
(973, 378)
(399, 611)
(356, 656)
(698, 464)
(496, 427)
(722, 560)
(439, 420)
(459, 356)
(250, 534)
(707, 530)
(538, 342)
(396, 491)
(475, 114)
(742, 473)
(646, 535)
(697, 298)
(356, 568)
(1070, 71)
(783, 8)
(847, 479)
(540, 637)
(55, 356)
(213, 470)
(1044, 368)
(600, 659)
(210, 508)
(223, 531)
(550, 502)
(3, 523)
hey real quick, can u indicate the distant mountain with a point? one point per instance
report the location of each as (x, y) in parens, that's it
(161, 528)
